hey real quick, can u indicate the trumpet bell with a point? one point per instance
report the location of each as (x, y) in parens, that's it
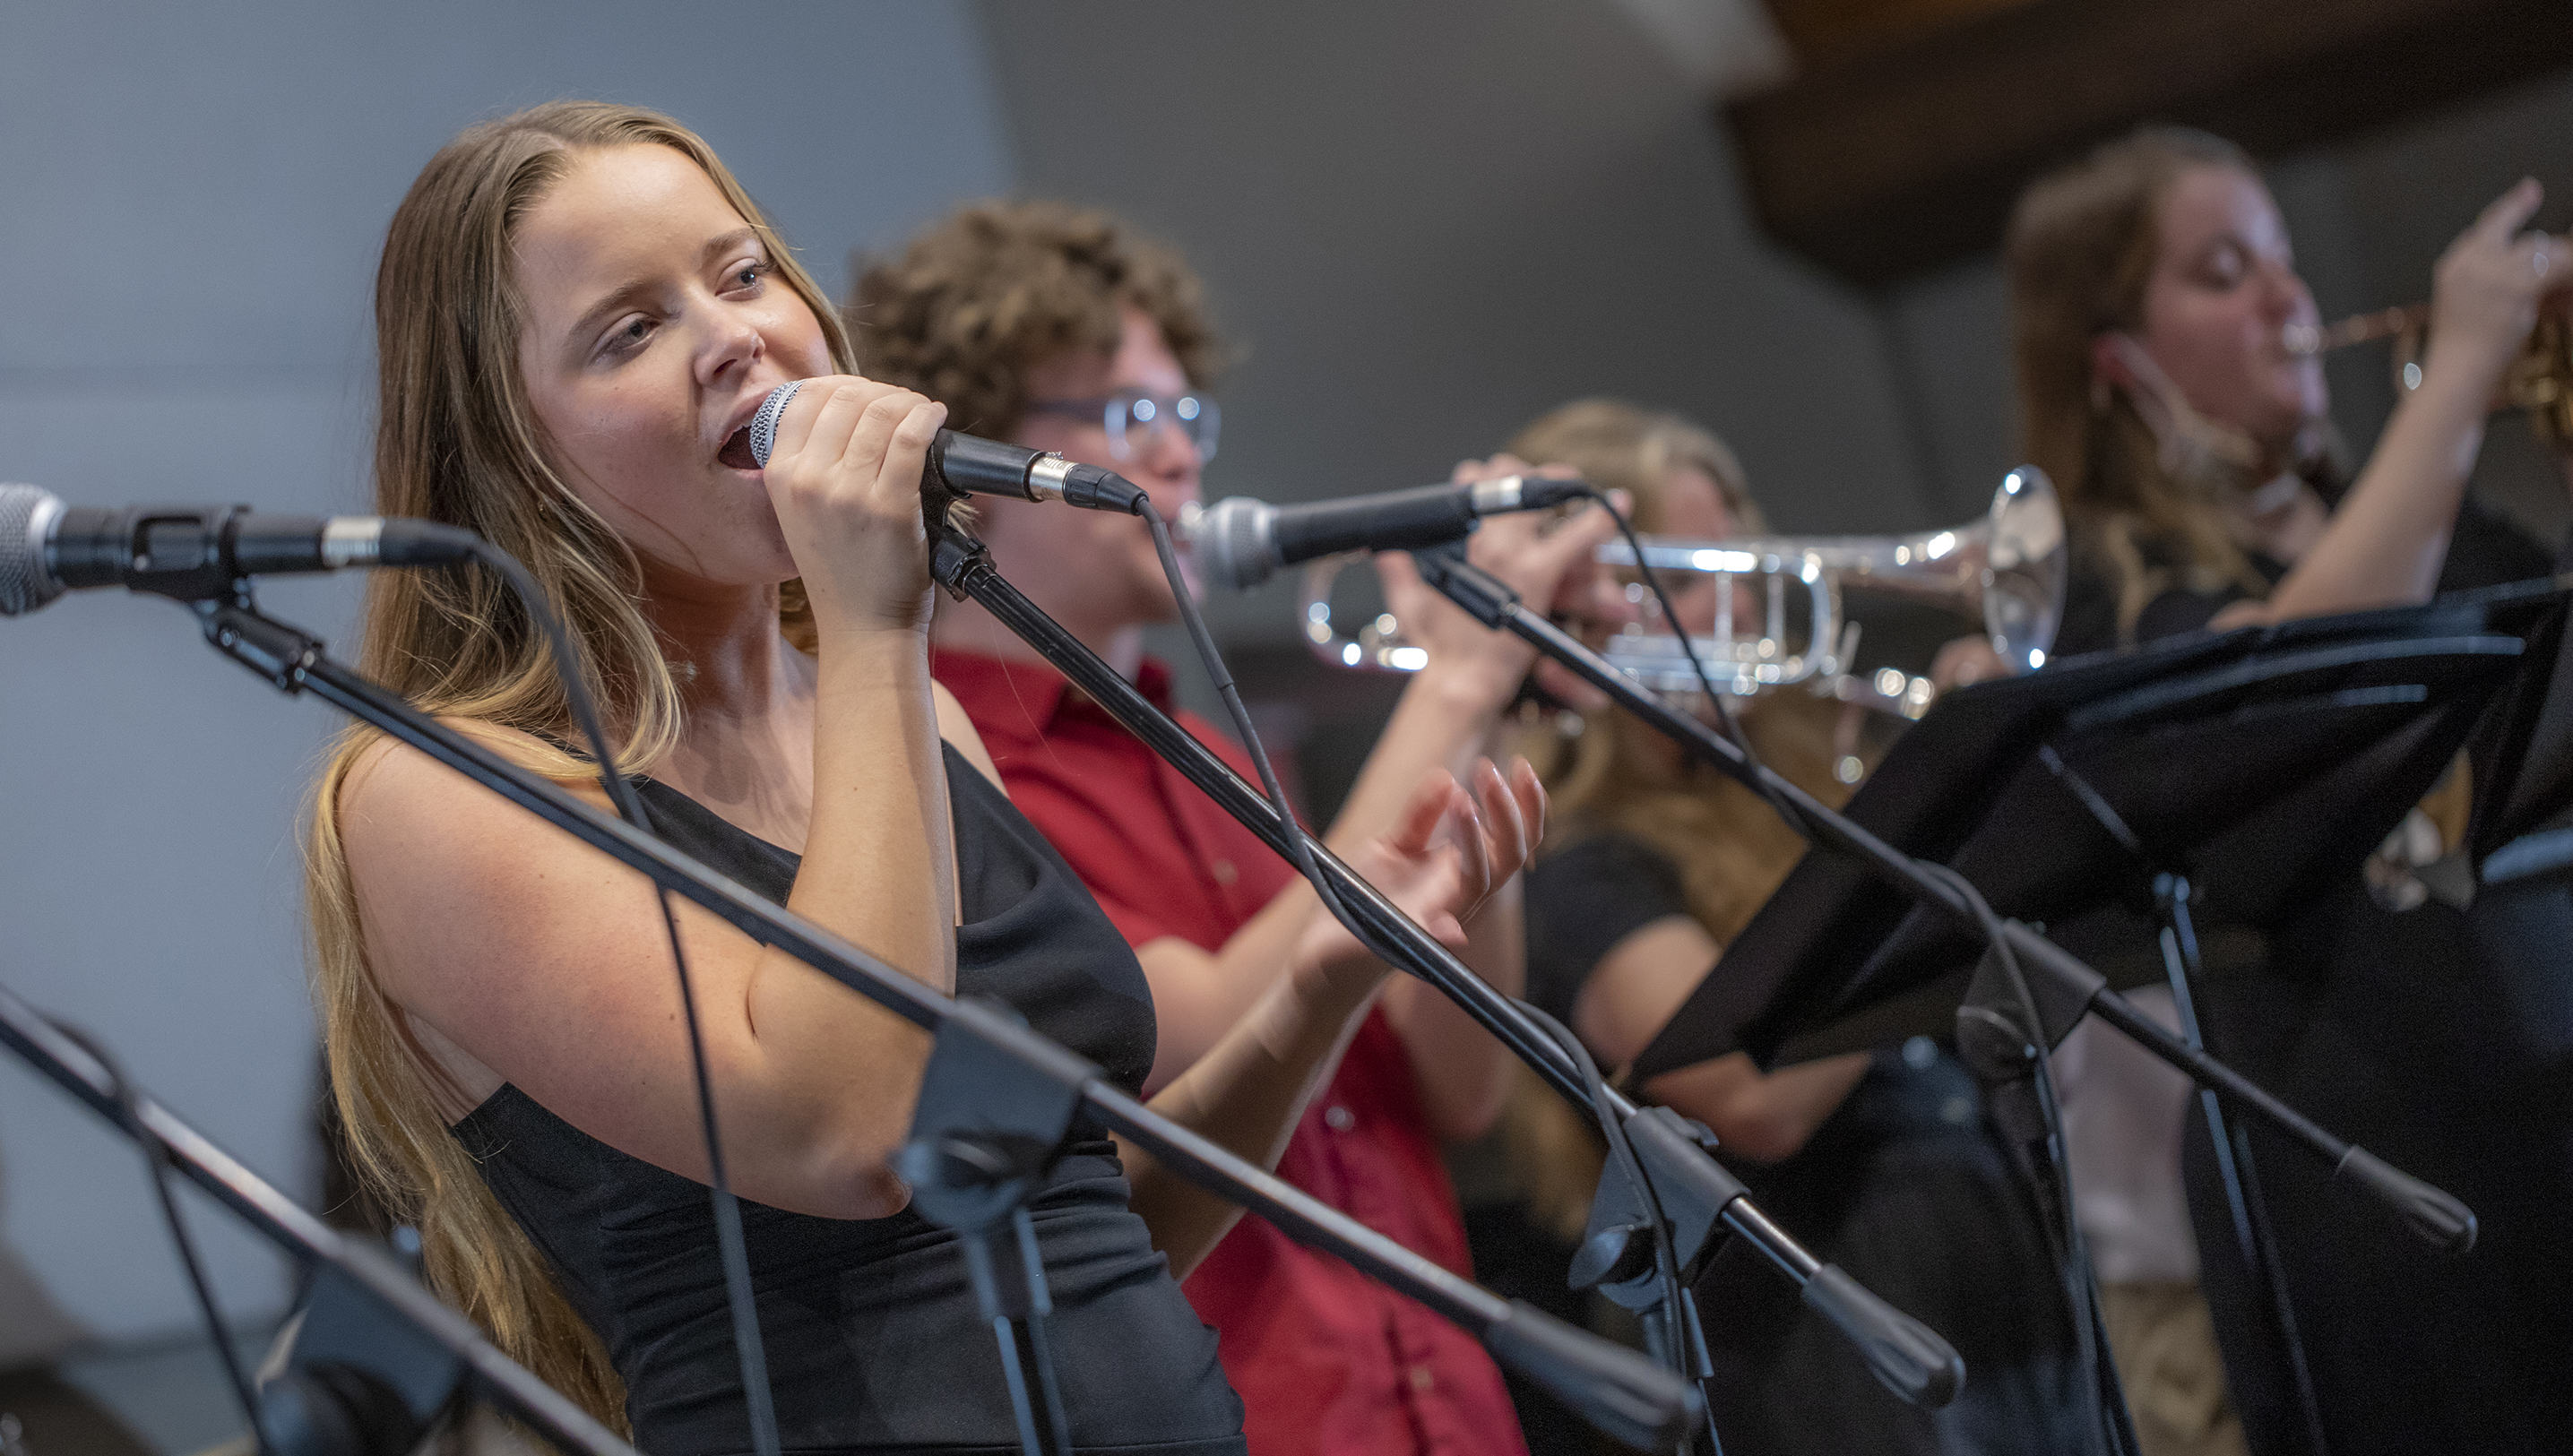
(2006, 569)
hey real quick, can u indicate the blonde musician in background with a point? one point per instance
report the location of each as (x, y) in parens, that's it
(1881, 1161)
(2154, 303)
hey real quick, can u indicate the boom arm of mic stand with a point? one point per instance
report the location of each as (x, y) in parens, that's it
(1905, 1355)
(2436, 1217)
(302, 1235)
(1616, 1389)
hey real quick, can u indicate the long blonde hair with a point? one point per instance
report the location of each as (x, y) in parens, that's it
(1730, 847)
(1610, 776)
(456, 442)
(2082, 243)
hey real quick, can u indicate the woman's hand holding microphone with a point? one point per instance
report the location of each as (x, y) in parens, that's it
(844, 475)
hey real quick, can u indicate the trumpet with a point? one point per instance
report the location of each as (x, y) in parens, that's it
(2005, 567)
(2538, 384)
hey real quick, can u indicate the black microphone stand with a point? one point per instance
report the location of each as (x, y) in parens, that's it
(2065, 989)
(1687, 1188)
(429, 1349)
(997, 1099)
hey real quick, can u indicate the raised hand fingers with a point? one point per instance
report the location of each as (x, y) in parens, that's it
(1418, 826)
(1505, 825)
(2487, 293)
(1533, 805)
(1539, 555)
(2543, 256)
(1473, 849)
(1559, 683)
(1569, 552)
(1399, 576)
(2510, 211)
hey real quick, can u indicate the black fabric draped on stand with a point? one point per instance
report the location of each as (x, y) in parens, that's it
(874, 1343)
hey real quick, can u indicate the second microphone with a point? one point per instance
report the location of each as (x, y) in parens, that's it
(1239, 544)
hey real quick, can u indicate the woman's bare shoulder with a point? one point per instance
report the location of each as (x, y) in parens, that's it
(389, 775)
(416, 830)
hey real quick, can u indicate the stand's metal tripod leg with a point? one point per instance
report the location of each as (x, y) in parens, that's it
(1008, 1273)
(2255, 1241)
(2007, 1057)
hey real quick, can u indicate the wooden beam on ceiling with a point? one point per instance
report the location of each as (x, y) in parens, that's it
(1884, 161)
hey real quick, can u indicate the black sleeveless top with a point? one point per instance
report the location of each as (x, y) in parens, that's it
(872, 1338)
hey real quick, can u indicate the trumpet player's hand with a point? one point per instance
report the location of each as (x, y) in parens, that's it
(1542, 557)
(2488, 288)
(1445, 854)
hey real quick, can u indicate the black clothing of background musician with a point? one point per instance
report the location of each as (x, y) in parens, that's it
(1903, 1186)
(2441, 1038)
(873, 1340)
(2486, 549)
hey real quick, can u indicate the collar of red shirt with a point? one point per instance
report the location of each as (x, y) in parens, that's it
(1025, 699)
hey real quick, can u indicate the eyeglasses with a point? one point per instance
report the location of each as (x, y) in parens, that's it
(1131, 416)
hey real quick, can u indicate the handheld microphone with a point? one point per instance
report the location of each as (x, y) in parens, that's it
(192, 553)
(1240, 543)
(965, 466)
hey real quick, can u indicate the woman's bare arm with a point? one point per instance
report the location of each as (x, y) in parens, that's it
(1249, 1090)
(2388, 542)
(1634, 992)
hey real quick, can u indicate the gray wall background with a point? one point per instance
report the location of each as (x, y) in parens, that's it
(194, 200)
(1422, 228)
(1423, 233)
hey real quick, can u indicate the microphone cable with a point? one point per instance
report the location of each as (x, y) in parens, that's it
(732, 1249)
(1300, 848)
(1731, 726)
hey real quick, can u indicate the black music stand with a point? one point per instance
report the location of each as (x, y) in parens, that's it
(2258, 764)
(2522, 822)
(2219, 754)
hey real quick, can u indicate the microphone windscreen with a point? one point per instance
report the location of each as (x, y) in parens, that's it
(764, 426)
(1229, 542)
(25, 584)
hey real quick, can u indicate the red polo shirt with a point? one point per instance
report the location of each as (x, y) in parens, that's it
(1327, 1361)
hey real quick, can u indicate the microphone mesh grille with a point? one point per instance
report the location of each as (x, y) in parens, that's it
(1231, 544)
(24, 582)
(764, 426)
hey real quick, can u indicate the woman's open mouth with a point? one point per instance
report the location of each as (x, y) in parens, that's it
(736, 451)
